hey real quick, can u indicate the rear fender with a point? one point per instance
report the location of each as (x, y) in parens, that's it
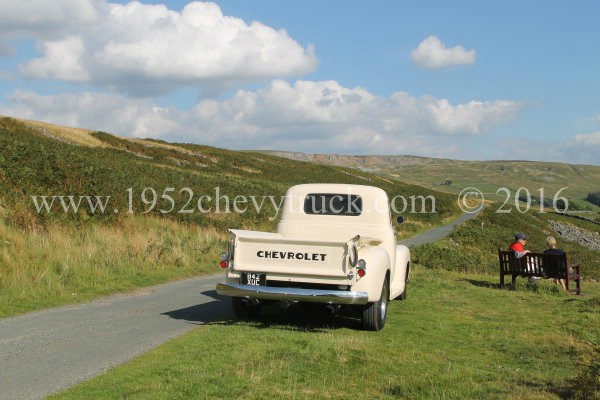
(378, 266)
(400, 275)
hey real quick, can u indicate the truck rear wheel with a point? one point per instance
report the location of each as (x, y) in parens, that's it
(374, 315)
(244, 309)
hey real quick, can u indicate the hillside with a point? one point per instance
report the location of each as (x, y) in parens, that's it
(166, 216)
(40, 159)
(454, 175)
(472, 247)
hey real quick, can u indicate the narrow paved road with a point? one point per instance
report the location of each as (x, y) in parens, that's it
(50, 350)
(437, 233)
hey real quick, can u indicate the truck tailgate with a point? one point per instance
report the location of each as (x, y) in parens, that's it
(274, 253)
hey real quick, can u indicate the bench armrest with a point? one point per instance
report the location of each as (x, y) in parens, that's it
(574, 268)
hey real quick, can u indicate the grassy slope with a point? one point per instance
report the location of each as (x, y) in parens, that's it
(59, 258)
(473, 248)
(32, 164)
(457, 337)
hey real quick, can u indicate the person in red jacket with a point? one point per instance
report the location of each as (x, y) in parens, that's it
(518, 246)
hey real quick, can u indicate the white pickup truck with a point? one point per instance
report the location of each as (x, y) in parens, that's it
(335, 244)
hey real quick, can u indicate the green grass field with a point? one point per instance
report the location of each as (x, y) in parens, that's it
(456, 337)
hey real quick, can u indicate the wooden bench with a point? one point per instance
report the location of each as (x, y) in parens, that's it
(539, 265)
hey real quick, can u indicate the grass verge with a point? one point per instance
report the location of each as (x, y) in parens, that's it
(57, 264)
(457, 336)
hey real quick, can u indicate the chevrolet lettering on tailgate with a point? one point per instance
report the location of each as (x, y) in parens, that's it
(335, 244)
(290, 255)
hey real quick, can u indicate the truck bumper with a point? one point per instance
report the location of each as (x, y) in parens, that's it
(292, 294)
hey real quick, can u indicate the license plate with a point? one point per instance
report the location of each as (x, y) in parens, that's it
(253, 279)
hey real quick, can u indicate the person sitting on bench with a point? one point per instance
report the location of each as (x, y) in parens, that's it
(518, 246)
(551, 243)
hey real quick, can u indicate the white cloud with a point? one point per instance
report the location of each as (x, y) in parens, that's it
(587, 139)
(146, 49)
(598, 119)
(432, 54)
(44, 18)
(97, 111)
(306, 116)
(62, 61)
(474, 117)
(578, 149)
(582, 149)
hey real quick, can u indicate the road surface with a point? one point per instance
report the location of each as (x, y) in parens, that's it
(50, 350)
(437, 233)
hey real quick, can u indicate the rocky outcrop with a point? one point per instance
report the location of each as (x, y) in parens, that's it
(572, 233)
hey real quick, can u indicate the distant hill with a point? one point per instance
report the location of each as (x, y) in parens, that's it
(454, 175)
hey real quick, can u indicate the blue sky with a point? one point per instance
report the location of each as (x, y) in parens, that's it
(463, 79)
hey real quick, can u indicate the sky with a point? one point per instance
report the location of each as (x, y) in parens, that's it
(469, 80)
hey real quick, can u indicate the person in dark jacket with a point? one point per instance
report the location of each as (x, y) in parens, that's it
(551, 243)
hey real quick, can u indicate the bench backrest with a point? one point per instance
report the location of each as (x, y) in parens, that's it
(555, 265)
(537, 264)
(507, 260)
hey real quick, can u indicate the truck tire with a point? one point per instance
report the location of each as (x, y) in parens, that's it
(243, 309)
(374, 315)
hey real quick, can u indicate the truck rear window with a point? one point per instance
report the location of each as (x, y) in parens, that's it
(333, 204)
